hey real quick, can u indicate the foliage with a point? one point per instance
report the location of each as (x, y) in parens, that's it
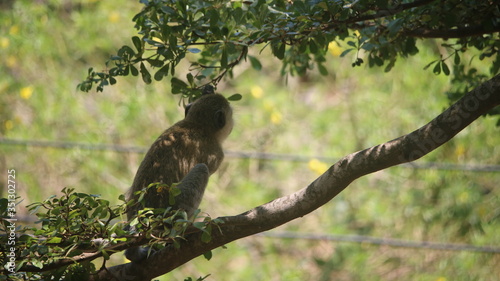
(220, 33)
(37, 103)
(77, 228)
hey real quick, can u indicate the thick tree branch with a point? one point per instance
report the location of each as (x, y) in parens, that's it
(391, 11)
(282, 210)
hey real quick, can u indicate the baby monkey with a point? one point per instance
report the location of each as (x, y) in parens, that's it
(188, 152)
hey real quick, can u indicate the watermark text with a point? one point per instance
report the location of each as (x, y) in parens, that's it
(11, 227)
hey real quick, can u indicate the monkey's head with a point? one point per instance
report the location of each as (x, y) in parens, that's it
(213, 112)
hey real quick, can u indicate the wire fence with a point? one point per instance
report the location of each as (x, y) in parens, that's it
(240, 155)
(382, 241)
(297, 158)
(360, 239)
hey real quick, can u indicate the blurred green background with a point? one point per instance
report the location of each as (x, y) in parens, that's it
(46, 47)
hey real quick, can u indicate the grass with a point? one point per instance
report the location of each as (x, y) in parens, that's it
(48, 47)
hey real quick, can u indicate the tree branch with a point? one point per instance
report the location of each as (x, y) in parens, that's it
(452, 33)
(391, 11)
(404, 149)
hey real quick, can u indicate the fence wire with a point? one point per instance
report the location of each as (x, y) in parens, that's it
(296, 158)
(381, 241)
(240, 155)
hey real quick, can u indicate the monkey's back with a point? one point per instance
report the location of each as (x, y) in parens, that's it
(171, 157)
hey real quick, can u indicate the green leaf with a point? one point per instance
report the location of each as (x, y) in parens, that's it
(395, 26)
(172, 41)
(456, 60)
(137, 43)
(322, 69)
(162, 72)
(146, 76)
(178, 86)
(313, 48)
(437, 68)
(303, 46)
(105, 255)
(445, 68)
(390, 65)
(410, 46)
(54, 240)
(134, 70)
(37, 263)
(377, 61)
(223, 58)
(167, 10)
(190, 79)
(255, 63)
(176, 82)
(279, 50)
(225, 31)
(174, 191)
(206, 236)
(208, 255)
(300, 7)
(126, 52)
(199, 224)
(346, 52)
(155, 62)
(213, 17)
(235, 97)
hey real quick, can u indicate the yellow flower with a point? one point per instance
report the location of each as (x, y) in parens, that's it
(317, 166)
(4, 42)
(334, 49)
(257, 92)
(276, 117)
(463, 197)
(8, 124)
(11, 61)
(113, 17)
(26, 92)
(14, 30)
(460, 151)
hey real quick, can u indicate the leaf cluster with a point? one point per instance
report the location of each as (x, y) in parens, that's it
(215, 36)
(69, 224)
(163, 226)
(76, 228)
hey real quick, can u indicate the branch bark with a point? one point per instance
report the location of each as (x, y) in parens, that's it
(404, 149)
(391, 11)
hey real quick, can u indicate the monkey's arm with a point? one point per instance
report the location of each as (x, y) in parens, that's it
(192, 188)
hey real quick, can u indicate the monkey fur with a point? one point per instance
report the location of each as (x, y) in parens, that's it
(188, 152)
